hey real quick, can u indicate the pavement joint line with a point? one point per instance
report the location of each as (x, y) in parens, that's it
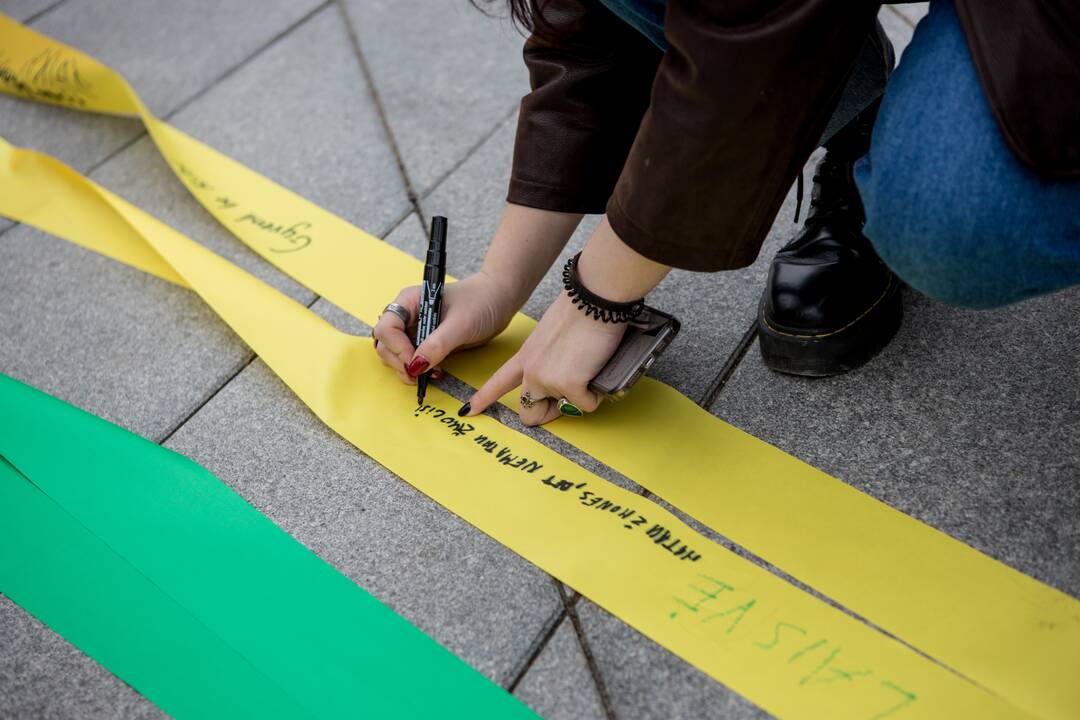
(420, 221)
(539, 644)
(900, 15)
(730, 365)
(764, 564)
(590, 660)
(210, 396)
(469, 153)
(718, 384)
(380, 110)
(43, 12)
(229, 72)
(141, 133)
(398, 222)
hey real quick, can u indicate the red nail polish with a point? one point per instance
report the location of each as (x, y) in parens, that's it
(437, 374)
(418, 365)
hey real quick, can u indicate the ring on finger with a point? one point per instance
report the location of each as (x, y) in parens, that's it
(568, 408)
(400, 310)
(527, 400)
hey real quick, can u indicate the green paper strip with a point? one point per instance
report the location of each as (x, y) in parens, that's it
(147, 562)
(73, 582)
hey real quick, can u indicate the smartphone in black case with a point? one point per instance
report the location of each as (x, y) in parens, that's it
(643, 341)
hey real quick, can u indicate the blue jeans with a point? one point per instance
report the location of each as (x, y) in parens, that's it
(949, 207)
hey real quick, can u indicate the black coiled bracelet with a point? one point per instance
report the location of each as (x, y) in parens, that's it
(594, 305)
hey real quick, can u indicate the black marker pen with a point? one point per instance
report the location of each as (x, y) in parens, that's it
(431, 294)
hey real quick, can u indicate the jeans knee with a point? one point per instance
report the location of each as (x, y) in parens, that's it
(948, 206)
(946, 253)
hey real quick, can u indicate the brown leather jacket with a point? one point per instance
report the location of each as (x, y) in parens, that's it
(691, 152)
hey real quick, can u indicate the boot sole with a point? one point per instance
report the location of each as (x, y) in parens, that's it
(837, 352)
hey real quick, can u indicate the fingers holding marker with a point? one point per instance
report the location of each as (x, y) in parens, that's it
(393, 342)
(450, 335)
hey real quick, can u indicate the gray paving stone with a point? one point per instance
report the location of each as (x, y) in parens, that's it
(42, 676)
(715, 309)
(446, 75)
(645, 681)
(168, 49)
(333, 151)
(113, 340)
(967, 421)
(559, 685)
(471, 594)
(79, 139)
(317, 132)
(22, 9)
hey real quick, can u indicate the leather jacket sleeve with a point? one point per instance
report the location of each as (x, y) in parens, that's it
(739, 102)
(1027, 54)
(691, 152)
(590, 81)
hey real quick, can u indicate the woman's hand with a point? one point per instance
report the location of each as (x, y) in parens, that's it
(568, 348)
(474, 310)
(479, 307)
(565, 351)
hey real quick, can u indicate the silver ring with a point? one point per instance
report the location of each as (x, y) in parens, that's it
(400, 310)
(527, 400)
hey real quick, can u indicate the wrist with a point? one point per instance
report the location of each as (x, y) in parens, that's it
(573, 313)
(595, 306)
(609, 268)
(507, 290)
(524, 247)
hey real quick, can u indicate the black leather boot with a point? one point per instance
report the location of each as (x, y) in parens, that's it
(830, 303)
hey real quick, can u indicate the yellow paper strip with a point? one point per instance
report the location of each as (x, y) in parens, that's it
(785, 650)
(919, 584)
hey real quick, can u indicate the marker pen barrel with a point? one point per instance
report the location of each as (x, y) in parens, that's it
(431, 294)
